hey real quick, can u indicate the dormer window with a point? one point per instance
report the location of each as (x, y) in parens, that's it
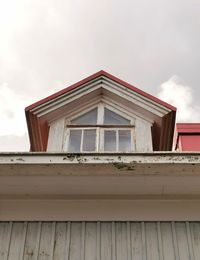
(100, 129)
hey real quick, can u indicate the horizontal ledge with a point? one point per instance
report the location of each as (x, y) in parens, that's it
(81, 197)
(99, 126)
(99, 158)
(98, 164)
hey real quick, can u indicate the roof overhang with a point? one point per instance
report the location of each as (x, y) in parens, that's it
(150, 175)
(100, 84)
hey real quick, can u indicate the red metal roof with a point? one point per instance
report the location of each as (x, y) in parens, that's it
(188, 127)
(95, 75)
(188, 136)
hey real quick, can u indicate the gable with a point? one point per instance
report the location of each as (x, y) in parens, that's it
(101, 87)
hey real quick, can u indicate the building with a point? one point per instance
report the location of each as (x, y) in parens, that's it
(101, 180)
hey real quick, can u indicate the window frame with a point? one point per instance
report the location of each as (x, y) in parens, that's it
(100, 128)
(117, 129)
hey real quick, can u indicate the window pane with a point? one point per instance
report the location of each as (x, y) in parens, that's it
(109, 140)
(74, 141)
(89, 118)
(89, 140)
(124, 140)
(111, 118)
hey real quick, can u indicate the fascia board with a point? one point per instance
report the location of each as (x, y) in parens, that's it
(188, 128)
(48, 158)
(136, 99)
(111, 86)
(66, 98)
(78, 109)
(93, 77)
(137, 96)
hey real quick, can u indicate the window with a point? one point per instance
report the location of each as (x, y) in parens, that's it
(99, 130)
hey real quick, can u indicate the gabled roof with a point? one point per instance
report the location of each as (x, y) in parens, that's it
(37, 119)
(93, 76)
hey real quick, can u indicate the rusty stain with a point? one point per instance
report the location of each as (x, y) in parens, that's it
(20, 159)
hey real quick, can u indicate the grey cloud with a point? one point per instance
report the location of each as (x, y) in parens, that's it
(143, 42)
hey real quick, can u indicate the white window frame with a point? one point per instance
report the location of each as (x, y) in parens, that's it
(117, 139)
(100, 128)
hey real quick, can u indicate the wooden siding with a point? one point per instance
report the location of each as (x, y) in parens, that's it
(100, 240)
(55, 139)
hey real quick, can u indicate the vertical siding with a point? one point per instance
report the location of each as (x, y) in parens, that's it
(100, 240)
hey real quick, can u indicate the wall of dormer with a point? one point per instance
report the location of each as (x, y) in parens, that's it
(142, 135)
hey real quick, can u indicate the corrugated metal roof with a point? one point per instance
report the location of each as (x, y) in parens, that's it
(100, 240)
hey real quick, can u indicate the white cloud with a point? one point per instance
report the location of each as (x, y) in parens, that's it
(175, 92)
(13, 143)
(12, 116)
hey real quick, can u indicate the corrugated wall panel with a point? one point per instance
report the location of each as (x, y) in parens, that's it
(100, 240)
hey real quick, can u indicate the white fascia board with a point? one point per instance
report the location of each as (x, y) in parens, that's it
(95, 164)
(136, 95)
(101, 82)
(78, 109)
(49, 102)
(65, 99)
(137, 99)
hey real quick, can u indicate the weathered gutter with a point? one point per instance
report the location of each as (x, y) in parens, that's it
(156, 163)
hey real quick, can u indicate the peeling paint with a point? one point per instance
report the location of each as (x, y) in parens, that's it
(20, 159)
(70, 157)
(96, 158)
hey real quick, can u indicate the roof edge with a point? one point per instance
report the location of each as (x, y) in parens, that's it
(93, 76)
(187, 128)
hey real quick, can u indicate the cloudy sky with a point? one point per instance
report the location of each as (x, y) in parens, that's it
(46, 45)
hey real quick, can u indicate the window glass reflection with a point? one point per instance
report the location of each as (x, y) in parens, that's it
(89, 118)
(109, 140)
(124, 140)
(111, 118)
(89, 140)
(74, 141)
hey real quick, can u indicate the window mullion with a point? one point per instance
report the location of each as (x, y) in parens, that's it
(97, 139)
(117, 140)
(100, 114)
(81, 148)
(101, 139)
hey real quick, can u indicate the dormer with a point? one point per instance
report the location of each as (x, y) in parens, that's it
(101, 114)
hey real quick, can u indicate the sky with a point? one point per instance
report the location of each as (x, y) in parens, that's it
(46, 45)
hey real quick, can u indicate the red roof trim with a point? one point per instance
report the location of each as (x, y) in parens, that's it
(100, 73)
(188, 128)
